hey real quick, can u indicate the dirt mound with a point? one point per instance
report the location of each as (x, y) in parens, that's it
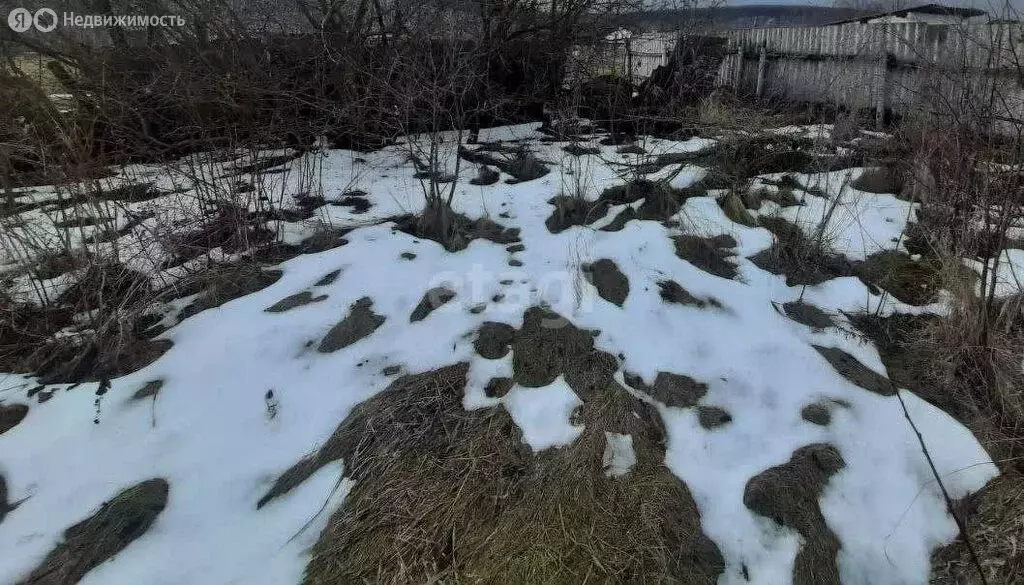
(855, 372)
(611, 284)
(360, 322)
(431, 300)
(807, 314)
(789, 494)
(709, 254)
(670, 389)
(294, 301)
(11, 415)
(104, 534)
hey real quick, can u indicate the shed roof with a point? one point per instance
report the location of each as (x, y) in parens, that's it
(939, 9)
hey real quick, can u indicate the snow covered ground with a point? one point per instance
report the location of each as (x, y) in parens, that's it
(220, 442)
(1009, 272)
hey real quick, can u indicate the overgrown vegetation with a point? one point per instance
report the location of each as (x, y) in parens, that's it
(374, 75)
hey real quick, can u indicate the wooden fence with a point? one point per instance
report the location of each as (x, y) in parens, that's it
(633, 57)
(897, 67)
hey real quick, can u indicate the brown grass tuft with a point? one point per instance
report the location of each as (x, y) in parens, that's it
(789, 495)
(449, 495)
(996, 528)
(101, 536)
(709, 254)
(10, 416)
(879, 180)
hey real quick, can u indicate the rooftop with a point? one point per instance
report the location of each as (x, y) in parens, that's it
(939, 9)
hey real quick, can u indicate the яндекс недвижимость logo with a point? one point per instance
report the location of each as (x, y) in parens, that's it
(22, 19)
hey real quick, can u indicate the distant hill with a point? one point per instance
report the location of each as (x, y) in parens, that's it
(754, 15)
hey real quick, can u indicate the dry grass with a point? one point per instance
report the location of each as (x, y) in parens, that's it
(996, 527)
(789, 495)
(719, 110)
(845, 128)
(709, 254)
(942, 360)
(612, 285)
(879, 180)
(117, 523)
(913, 282)
(10, 416)
(449, 495)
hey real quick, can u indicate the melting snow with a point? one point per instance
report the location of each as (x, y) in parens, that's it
(210, 434)
(543, 414)
(1009, 274)
(619, 456)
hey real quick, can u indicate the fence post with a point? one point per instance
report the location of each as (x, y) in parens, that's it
(739, 67)
(762, 64)
(883, 73)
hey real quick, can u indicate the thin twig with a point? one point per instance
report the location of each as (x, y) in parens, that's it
(945, 494)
